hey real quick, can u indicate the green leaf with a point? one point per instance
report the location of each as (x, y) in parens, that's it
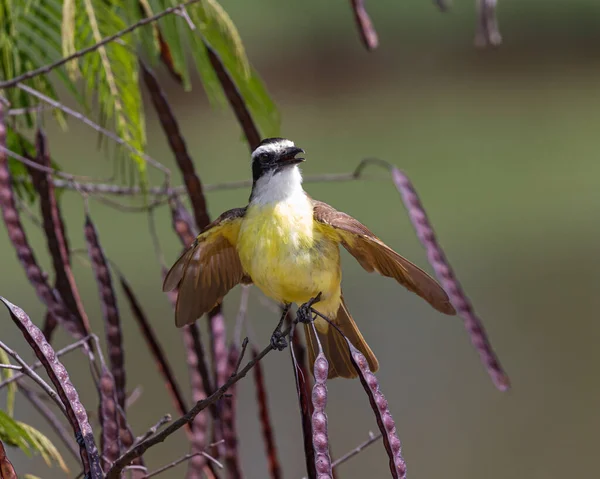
(28, 439)
(30, 38)
(12, 387)
(13, 434)
(220, 33)
(44, 447)
(111, 73)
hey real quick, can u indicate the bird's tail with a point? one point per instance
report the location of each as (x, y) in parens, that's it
(334, 345)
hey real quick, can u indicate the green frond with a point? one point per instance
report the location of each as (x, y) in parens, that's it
(13, 434)
(111, 73)
(29, 440)
(68, 36)
(12, 387)
(30, 38)
(223, 33)
(44, 447)
(220, 33)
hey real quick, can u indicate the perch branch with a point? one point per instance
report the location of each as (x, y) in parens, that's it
(142, 447)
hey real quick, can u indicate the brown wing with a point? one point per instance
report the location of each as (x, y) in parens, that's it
(208, 269)
(374, 255)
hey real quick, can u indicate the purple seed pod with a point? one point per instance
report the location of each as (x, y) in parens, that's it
(55, 232)
(154, 346)
(182, 223)
(320, 438)
(16, 234)
(178, 147)
(367, 32)
(7, 471)
(110, 311)
(228, 419)
(49, 326)
(382, 413)
(199, 427)
(302, 379)
(487, 32)
(450, 283)
(59, 376)
(265, 420)
(127, 439)
(110, 443)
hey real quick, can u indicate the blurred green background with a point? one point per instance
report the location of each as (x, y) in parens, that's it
(502, 145)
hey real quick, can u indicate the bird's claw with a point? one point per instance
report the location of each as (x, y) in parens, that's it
(278, 341)
(304, 313)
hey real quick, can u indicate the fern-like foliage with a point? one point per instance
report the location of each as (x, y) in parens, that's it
(18, 434)
(110, 74)
(215, 28)
(34, 33)
(30, 38)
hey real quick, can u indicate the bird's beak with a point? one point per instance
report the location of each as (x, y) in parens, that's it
(288, 157)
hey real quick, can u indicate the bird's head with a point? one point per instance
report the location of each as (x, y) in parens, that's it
(274, 155)
(275, 171)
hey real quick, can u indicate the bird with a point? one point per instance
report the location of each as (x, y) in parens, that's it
(288, 245)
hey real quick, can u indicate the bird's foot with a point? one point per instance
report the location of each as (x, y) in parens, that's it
(278, 341)
(304, 313)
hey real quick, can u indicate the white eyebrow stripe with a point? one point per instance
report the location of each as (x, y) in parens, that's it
(273, 147)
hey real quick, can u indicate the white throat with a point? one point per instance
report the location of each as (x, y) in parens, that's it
(281, 186)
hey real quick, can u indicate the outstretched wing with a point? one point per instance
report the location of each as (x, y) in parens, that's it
(208, 269)
(374, 255)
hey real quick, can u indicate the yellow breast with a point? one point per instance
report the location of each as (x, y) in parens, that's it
(287, 255)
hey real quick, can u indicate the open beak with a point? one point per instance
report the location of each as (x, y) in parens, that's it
(288, 157)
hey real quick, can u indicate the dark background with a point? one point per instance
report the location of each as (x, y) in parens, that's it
(502, 146)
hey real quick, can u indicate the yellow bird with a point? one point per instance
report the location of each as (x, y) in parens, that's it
(287, 244)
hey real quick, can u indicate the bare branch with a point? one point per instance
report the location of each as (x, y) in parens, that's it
(33, 375)
(183, 459)
(350, 454)
(152, 431)
(142, 447)
(38, 364)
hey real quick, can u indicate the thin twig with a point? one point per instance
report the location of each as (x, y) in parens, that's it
(38, 364)
(239, 361)
(142, 447)
(11, 366)
(84, 119)
(47, 68)
(109, 189)
(350, 454)
(183, 459)
(32, 164)
(33, 375)
(152, 431)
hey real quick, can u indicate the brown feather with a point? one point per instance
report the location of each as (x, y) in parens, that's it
(374, 255)
(334, 345)
(207, 270)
